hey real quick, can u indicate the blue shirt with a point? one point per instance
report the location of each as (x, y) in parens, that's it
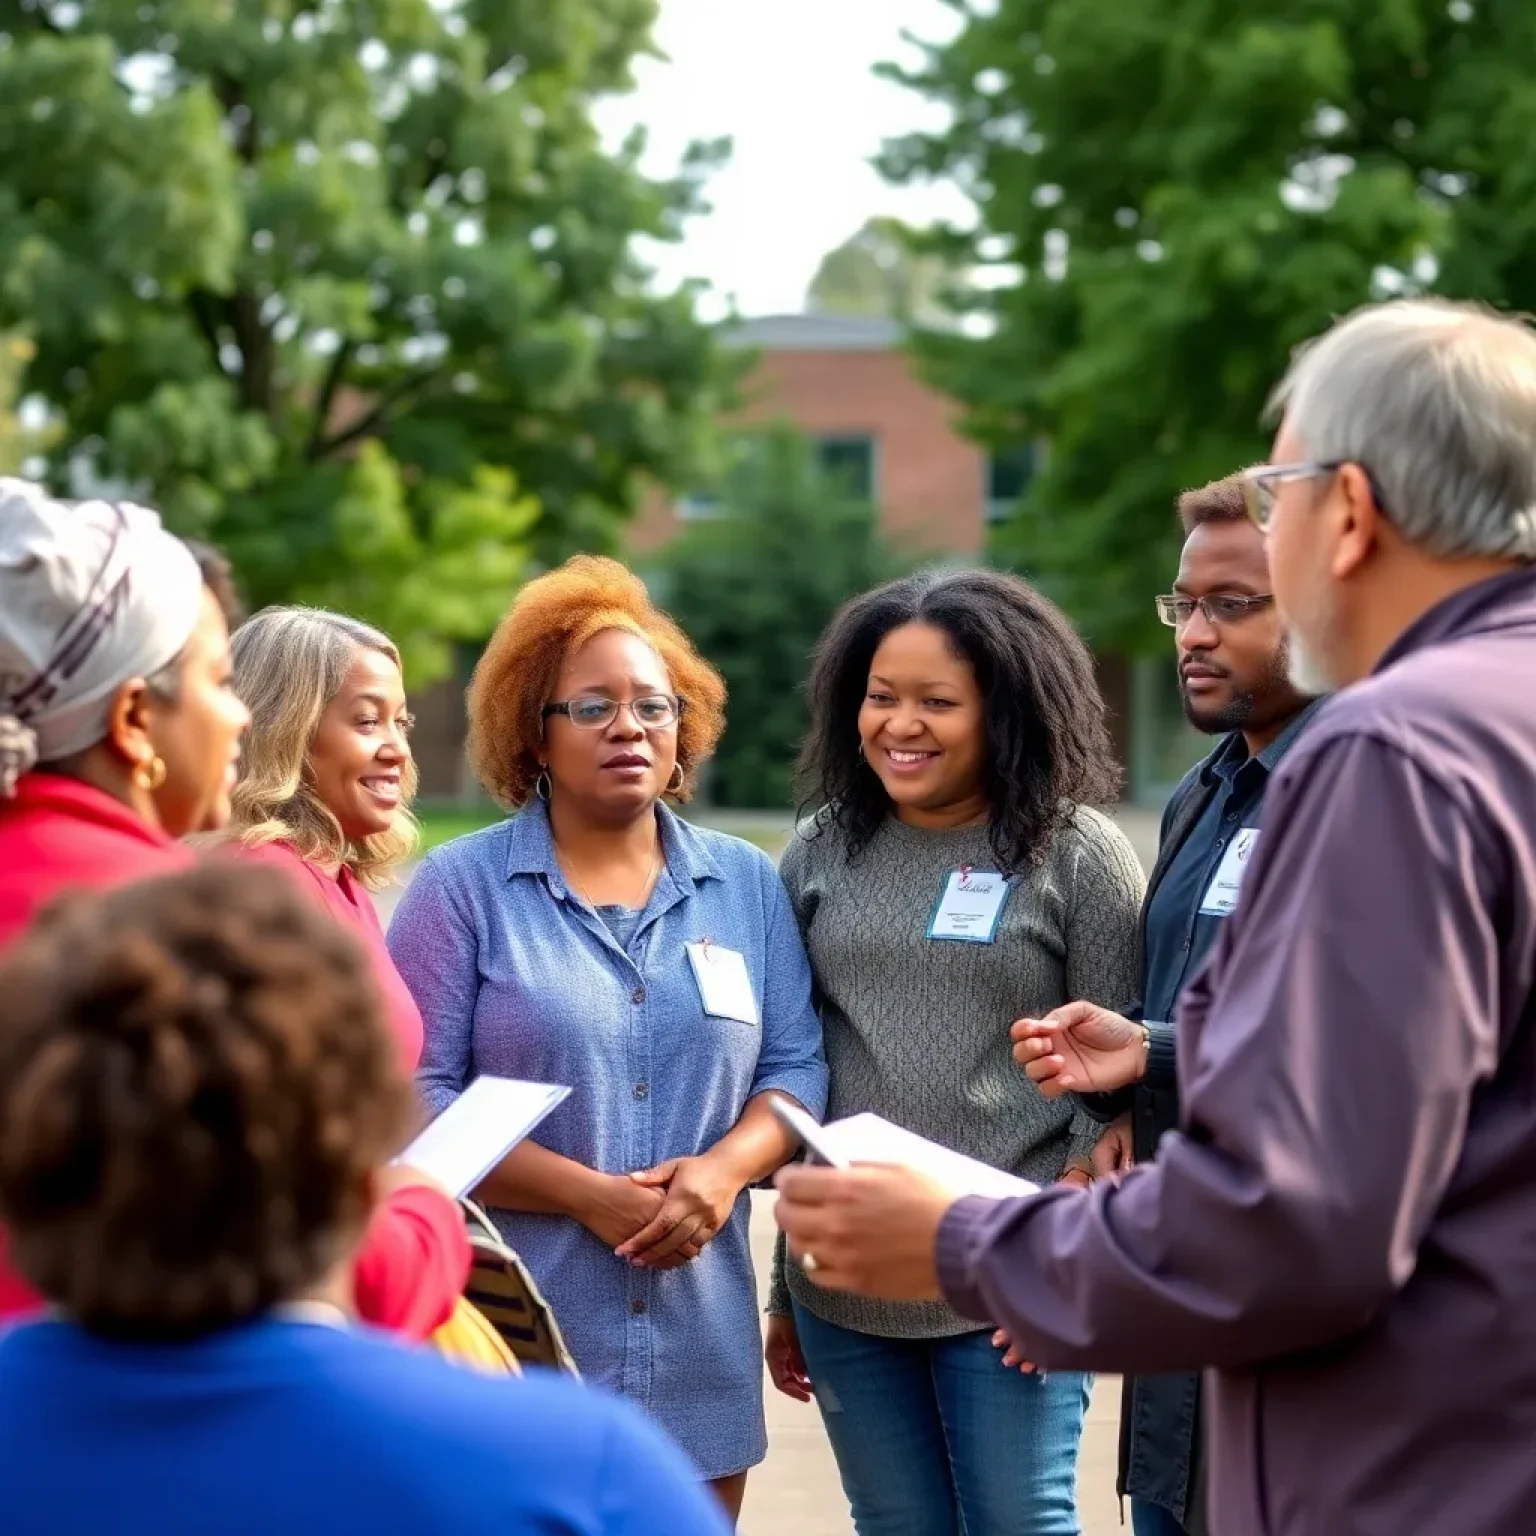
(1179, 932)
(306, 1430)
(515, 974)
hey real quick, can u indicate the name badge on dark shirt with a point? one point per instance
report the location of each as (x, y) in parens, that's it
(1226, 887)
(970, 906)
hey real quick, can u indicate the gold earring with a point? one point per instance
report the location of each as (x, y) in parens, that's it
(150, 774)
(680, 777)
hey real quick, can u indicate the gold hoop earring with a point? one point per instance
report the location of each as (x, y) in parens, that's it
(542, 787)
(150, 775)
(680, 776)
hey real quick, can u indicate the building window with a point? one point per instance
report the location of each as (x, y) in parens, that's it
(1009, 473)
(850, 461)
(697, 505)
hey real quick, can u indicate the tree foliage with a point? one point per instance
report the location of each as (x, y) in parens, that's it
(754, 587)
(15, 354)
(1172, 194)
(349, 285)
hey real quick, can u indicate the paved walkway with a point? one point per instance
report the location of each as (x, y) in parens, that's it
(796, 1491)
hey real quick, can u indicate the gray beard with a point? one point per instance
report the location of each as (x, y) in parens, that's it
(1308, 675)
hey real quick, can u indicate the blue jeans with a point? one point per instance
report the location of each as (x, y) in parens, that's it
(1148, 1519)
(933, 1437)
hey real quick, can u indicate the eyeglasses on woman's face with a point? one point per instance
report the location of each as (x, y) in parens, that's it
(593, 712)
(1225, 608)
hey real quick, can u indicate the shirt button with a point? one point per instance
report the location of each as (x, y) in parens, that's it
(637, 1306)
(642, 1090)
(1186, 944)
(637, 996)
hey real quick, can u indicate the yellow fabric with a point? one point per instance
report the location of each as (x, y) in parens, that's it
(470, 1340)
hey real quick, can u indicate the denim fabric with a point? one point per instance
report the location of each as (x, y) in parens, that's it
(934, 1437)
(517, 975)
(1148, 1519)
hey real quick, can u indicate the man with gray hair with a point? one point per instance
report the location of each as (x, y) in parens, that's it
(1344, 1226)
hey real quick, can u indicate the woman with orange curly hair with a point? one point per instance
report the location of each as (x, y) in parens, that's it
(598, 940)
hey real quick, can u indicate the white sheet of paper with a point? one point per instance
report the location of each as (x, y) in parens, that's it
(479, 1128)
(1226, 887)
(725, 984)
(969, 906)
(871, 1139)
(808, 1130)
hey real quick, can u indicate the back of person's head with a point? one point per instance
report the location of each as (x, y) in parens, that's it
(196, 1087)
(1437, 401)
(219, 578)
(290, 664)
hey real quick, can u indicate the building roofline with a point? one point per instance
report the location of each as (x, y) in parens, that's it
(816, 333)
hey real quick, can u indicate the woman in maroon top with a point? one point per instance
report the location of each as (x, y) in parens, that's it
(325, 786)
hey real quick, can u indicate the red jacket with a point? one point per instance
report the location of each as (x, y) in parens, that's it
(58, 834)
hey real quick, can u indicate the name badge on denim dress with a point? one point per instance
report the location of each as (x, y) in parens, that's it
(725, 984)
(970, 906)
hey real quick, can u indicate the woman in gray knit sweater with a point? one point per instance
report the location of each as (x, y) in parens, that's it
(955, 879)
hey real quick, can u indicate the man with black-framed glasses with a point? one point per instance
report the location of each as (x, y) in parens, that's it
(1234, 680)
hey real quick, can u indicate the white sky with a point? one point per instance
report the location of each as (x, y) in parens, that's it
(791, 82)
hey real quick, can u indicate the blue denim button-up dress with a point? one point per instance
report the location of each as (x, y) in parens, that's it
(516, 975)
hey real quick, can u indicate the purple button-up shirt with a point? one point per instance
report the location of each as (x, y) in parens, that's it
(1344, 1227)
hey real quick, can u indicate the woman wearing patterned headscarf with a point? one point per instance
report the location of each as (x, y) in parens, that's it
(119, 735)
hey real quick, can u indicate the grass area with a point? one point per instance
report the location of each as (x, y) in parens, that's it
(441, 824)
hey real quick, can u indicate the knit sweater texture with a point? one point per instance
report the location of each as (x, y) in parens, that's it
(917, 1028)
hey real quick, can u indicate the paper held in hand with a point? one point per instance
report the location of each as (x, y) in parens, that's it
(478, 1129)
(869, 1139)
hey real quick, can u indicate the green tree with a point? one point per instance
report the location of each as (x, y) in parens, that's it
(15, 354)
(1172, 194)
(349, 286)
(881, 271)
(754, 586)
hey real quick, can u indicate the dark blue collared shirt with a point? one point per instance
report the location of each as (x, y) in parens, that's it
(1182, 920)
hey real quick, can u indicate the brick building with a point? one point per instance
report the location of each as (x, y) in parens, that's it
(846, 383)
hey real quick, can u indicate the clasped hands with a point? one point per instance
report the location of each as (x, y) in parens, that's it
(661, 1217)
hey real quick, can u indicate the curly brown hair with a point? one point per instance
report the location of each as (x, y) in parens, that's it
(195, 1082)
(552, 616)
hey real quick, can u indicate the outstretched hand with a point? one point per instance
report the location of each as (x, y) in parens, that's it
(1080, 1048)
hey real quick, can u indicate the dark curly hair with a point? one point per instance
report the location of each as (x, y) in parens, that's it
(195, 1082)
(1048, 744)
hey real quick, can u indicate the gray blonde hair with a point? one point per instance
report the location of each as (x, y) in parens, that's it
(290, 664)
(1438, 401)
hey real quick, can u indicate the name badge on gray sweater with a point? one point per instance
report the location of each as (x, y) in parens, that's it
(970, 906)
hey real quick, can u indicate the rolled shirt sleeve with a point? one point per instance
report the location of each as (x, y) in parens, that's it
(1344, 1022)
(791, 1060)
(433, 942)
